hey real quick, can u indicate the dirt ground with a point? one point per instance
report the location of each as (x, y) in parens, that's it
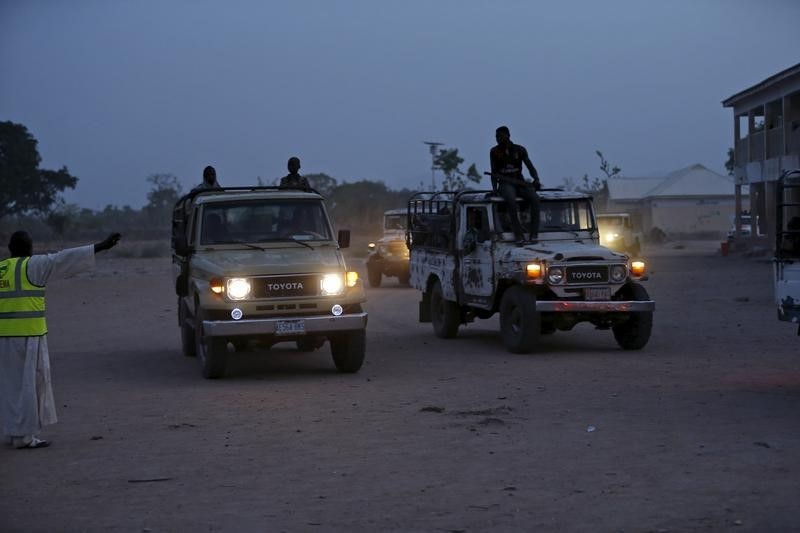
(698, 431)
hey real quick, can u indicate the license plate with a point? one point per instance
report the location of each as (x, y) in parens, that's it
(288, 327)
(597, 293)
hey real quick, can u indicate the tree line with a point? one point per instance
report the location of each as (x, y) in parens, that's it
(30, 197)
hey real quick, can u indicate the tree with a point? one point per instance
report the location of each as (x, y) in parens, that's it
(449, 162)
(730, 164)
(322, 183)
(165, 191)
(24, 186)
(595, 184)
(61, 217)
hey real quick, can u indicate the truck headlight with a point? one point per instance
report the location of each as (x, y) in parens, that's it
(555, 275)
(637, 268)
(238, 288)
(533, 270)
(618, 273)
(331, 284)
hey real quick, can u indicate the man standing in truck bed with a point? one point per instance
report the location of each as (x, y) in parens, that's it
(506, 161)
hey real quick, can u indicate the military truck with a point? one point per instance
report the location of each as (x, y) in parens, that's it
(261, 264)
(465, 261)
(389, 255)
(617, 232)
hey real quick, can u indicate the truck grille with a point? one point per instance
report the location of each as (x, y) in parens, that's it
(286, 286)
(587, 274)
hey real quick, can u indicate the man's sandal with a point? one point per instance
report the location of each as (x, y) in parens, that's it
(33, 443)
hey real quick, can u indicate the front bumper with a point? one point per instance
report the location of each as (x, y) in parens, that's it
(314, 325)
(583, 306)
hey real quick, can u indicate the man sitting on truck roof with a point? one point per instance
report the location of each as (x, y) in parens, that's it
(293, 180)
(506, 161)
(209, 179)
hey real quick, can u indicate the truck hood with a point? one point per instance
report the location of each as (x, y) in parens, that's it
(296, 259)
(554, 251)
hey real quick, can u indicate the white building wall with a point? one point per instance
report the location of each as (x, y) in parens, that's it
(687, 215)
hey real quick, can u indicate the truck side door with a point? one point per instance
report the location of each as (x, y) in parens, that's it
(476, 252)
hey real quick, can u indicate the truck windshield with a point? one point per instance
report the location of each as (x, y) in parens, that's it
(554, 215)
(263, 221)
(394, 222)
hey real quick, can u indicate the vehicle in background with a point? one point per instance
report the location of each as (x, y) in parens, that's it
(617, 233)
(261, 264)
(465, 261)
(747, 226)
(389, 255)
(787, 248)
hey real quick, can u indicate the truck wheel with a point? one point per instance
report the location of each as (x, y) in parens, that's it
(374, 276)
(520, 324)
(188, 345)
(212, 351)
(445, 315)
(634, 333)
(348, 350)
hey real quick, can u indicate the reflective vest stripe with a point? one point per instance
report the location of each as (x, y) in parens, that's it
(17, 294)
(22, 304)
(22, 314)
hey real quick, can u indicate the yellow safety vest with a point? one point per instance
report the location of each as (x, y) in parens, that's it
(21, 302)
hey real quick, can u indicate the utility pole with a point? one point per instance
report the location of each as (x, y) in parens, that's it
(432, 146)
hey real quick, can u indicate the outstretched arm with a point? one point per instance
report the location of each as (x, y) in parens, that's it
(108, 243)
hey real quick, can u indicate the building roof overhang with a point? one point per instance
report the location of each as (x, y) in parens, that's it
(762, 85)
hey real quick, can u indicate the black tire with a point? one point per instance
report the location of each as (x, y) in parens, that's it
(520, 324)
(374, 275)
(348, 350)
(212, 351)
(445, 315)
(188, 343)
(634, 333)
(309, 344)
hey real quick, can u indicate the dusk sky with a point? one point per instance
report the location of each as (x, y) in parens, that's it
(120, 90)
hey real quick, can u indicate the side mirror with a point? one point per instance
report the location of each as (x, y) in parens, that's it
(344, 238)
(181, 246)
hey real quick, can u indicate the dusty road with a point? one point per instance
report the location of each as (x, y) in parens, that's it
(699, 431)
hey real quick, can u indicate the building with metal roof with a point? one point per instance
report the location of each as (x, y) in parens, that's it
(766, 140)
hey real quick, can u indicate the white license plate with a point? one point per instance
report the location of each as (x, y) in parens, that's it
(288, 327)
(597, 293)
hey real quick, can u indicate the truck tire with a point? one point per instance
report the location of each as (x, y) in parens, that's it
(520, 324)
(348, 350)
(188, 345)
(374, 275)
(212, 351)
(634, 333)
(445, 315)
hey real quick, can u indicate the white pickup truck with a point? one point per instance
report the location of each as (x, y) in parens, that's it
(467, 265)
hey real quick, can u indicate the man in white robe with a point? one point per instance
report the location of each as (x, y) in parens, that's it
(26, 394)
